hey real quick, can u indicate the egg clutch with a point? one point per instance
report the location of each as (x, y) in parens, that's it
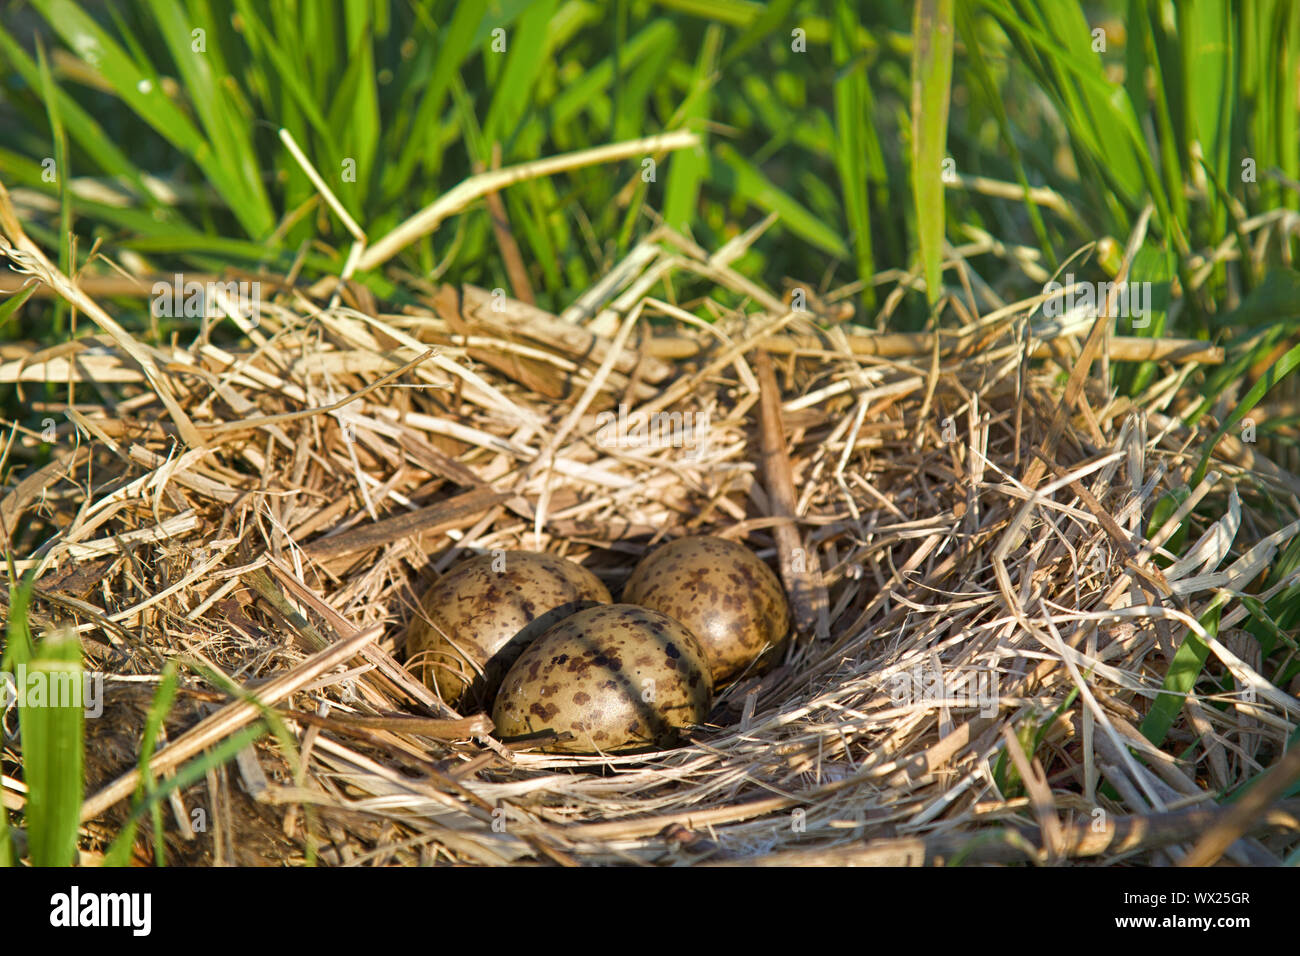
(537, 639)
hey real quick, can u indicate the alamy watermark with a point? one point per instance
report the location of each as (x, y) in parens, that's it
(927, 683)
(1132, 299)
(182, 299)
(52, 686)
(657, 430)
(74, 909)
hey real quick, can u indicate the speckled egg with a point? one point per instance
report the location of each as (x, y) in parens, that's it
(488, 609)
(616, 678)
(723, 593)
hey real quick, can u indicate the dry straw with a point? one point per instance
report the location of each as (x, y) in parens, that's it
(985, 620)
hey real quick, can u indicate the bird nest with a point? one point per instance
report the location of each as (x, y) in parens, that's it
(988, 619)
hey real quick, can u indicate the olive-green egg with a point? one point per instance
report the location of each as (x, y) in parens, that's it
(724, 594)
(617, 678)
(488, 609)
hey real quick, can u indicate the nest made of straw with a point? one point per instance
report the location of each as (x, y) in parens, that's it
(984, 622)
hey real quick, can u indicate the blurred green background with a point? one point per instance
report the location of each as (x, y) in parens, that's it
(413, 92)
(160, 118)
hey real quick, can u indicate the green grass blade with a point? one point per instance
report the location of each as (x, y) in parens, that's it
(1180, 680)
(1143, 60)
(355, 112)
(1155, 266)
(1278, 371)
(932, 28)
(50, 93)
(689, 168)
(746, 13)
(287, 72)
(455, 43)
(1090, 106)
(773, 17)
(150, 792)
(737, 176)
(1104, 129)
(9, 309)
(853, 131)
(92, 140)
(17, 650)
(1206, 29)
(1275, 299)
(119, 853)
(51, 718)
(525, 57)
(145, 98)
(6, 841)
(361, 122)
(190, 773)
(593, 82)
(983, 75)
(228, 133)
(634, 111)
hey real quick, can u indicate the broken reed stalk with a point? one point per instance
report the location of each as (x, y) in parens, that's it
(426, 220)
(799, 565)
